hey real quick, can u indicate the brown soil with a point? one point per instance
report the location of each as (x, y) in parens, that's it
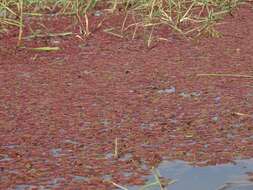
(60, 112)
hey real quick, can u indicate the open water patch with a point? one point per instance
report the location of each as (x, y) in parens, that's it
(181, 175)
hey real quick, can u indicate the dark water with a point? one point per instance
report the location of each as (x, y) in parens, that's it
(219, 177)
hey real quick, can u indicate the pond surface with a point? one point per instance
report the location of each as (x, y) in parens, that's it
(219, 177)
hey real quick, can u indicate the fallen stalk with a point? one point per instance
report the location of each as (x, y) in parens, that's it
(62, 34)
(109, 31)
(157, 177)
(117, 185)
(42, 48)
(116, 152)
(225, 75)
(20, 7)
(242, 114)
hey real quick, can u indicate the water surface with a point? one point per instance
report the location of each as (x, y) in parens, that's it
(219, 177)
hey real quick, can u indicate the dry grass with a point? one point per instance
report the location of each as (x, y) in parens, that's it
(190, 18)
